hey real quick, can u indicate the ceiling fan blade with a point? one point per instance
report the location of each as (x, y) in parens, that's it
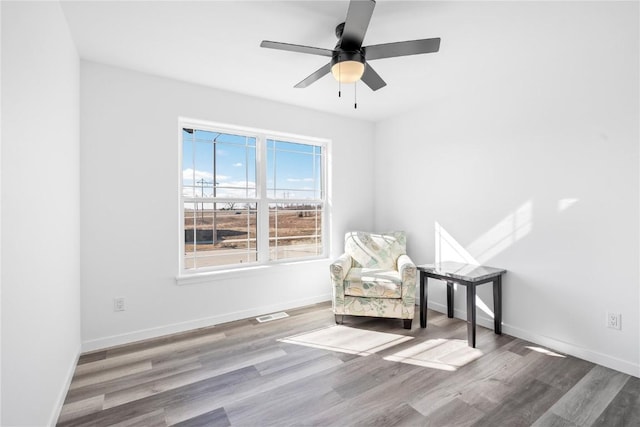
(297, 48)
(372, 79)
(315, 76)
(391, 50)
(356, 23)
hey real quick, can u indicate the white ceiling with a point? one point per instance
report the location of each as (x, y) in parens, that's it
(216, 43)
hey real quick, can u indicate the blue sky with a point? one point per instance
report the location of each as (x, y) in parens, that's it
(289, 165)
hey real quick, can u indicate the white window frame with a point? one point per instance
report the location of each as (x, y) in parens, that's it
(262, 200)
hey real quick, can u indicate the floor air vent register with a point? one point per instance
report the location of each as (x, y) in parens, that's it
(270, 317)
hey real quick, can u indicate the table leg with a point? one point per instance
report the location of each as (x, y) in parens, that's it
(423, 299)
(471, 315)
(497, 305)
(450, 300)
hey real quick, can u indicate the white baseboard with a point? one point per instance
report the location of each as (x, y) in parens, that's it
(621, 365)
(63, 391)
(144, 334)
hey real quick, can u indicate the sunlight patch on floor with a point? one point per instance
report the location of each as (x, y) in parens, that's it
(545, 351)
(347, 340)
(443, 354)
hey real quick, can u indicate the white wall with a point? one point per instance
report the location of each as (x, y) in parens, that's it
(531, 163)
(40, 212)
(129, 186)
(0, 219)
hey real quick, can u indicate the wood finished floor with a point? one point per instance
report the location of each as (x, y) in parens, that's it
(240, 374)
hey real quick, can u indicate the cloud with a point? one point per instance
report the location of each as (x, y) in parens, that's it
(188, 176)
(237, 165)
(299, 179)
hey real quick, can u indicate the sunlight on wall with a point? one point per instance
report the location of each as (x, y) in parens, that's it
(564, 204)
(448, 249)
(505, 233)
(509, 230)
(443, 354)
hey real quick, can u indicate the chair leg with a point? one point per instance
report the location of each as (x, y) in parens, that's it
(407, 323)
(339, 319)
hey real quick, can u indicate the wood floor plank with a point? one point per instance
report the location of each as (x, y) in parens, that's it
(549, 419)
(524, 406)
(488, 394)
(146, 354)
(362, 374)
(290, 404)
(92, 357)
(294, 355)
(215, 418)
(185, 378)
(240, 374)
(402, 415)
(157, 372)
(81, 408)
(624, 409)
(466, 377)
(205, 402)
(455, 413)
(560, 371)
(109, 374)
(152, 419)
(220, 384)
(586, 401)
(360, 404)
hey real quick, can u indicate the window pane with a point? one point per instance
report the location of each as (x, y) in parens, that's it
(235, 169)
(203, 169)
(187, 164)
(218, 165)
(219, 234)
(293, 170)
(295, 230)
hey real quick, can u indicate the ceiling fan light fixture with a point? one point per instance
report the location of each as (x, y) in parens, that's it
(347, 71)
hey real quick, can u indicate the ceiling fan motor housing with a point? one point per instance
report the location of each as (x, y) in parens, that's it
(343, 56)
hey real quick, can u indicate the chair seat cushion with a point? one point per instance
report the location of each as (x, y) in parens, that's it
(371, 282)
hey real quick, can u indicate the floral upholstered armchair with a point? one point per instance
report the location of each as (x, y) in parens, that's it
(374, 277)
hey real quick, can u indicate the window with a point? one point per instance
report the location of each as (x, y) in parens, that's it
(249, 197)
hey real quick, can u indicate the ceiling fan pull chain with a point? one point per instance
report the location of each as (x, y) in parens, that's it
(355, 95)
(339, 81)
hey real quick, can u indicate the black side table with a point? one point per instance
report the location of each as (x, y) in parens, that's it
(469, 276)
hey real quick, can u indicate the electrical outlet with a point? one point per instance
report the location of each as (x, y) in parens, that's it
(614, 320)
(118, 304)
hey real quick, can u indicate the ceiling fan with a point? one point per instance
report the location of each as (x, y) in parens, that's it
(349, 59)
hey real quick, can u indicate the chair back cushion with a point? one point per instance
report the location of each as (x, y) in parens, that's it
(371, 250)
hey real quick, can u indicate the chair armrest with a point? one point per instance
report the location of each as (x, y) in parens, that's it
(408, 273)
(407, 269)
(340, 267)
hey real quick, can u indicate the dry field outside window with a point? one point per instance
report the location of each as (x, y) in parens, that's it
(235, 229)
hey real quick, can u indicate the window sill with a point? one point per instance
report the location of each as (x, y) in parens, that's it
(241, 273)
